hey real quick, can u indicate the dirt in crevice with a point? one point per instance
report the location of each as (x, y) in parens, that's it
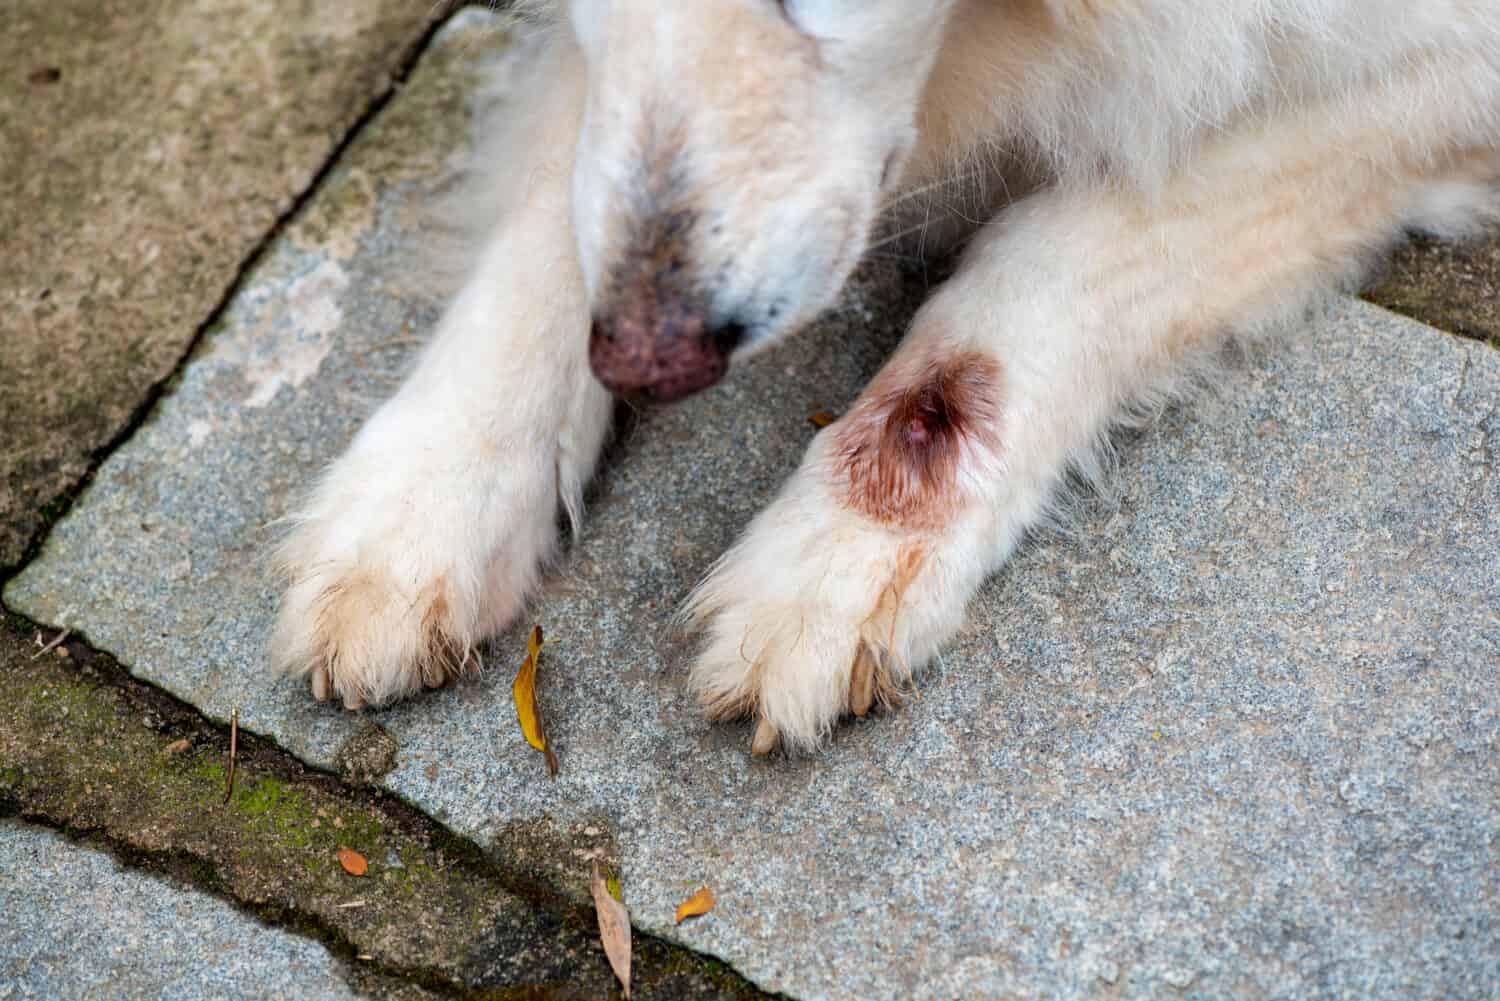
(1451, 285)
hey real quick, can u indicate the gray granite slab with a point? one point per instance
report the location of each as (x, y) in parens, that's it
(1236, 735)
(75, 924)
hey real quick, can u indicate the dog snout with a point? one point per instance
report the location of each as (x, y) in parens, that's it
(655, 344)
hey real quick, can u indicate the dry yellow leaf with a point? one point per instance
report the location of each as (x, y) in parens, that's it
(353, 862)
(699, 903)
(614, 926)
(524, 692)
(822, 419)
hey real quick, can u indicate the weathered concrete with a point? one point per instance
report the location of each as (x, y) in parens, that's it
(1452, 286)
(147, 149)
(1237, 736)
(78, 925)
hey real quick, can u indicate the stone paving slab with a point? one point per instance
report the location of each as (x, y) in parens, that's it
(75, 924)
(1236, 736)
(148, 147)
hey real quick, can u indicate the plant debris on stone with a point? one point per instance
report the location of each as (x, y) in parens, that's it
(54, 644)
(175, 747)
(614, 925)
(698, 904)
(234, 751)
(524, 692)
(353, 862)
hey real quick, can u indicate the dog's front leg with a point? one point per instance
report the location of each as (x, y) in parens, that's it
(428, 533)
(1074, 305)
(862, 566)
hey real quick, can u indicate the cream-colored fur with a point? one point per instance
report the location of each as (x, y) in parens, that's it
(1192, 169)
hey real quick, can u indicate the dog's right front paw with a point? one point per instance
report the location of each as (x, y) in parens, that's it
(364, 637)
(402, 562)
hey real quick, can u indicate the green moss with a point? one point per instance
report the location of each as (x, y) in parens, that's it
(678, 963)
(78, 703)
(55, 508)
(210, 770)
(11, 779)
(282, 817)
(18, 625)
(258, 798)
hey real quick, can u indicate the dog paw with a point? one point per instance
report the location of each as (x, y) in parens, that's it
(363, 636)
(408, 554)
(816, 613)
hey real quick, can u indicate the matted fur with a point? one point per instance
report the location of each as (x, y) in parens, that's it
(1136, 181)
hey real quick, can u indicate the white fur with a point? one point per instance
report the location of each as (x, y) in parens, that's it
(427, 535)
(1197, 168)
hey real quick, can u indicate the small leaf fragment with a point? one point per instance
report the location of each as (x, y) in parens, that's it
(614, 926)
(353, 862)
(699, 903)
(613, 882)
(175, 747)
(822, 419)
(524, 692)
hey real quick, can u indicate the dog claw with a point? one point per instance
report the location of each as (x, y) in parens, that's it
(862, 682)
(319, 683)
(765, 739)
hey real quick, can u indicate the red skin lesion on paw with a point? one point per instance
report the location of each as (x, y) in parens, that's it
(900, 452)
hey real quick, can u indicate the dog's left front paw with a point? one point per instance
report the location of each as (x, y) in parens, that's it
(818, 612)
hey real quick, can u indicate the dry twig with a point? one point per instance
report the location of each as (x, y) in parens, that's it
(53, 645)
(234, 750)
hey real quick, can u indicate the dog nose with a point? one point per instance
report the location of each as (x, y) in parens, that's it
(655, 344)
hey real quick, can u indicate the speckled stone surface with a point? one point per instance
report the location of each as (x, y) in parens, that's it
(1238, 735)
(148, 147)
(75, 924)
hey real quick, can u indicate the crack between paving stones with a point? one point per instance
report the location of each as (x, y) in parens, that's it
(190, 873)
(1486, 446)
(196, 719)
(1463, 380)
(1487, 457)
(193, 873)
(177, 718)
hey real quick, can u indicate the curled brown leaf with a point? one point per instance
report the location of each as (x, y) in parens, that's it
(614, 926)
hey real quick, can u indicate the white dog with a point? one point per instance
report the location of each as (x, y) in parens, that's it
(1135, 180)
